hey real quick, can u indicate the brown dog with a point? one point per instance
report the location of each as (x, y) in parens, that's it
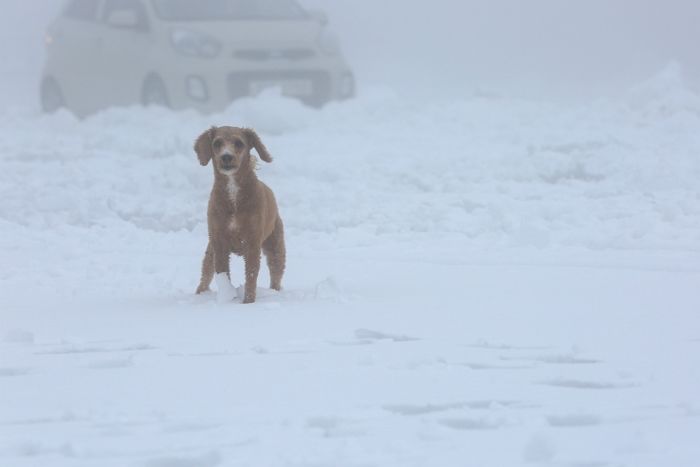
(242, 215)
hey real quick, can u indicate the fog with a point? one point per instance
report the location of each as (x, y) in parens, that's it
(492, 251)
(446, 48)
(536, 47)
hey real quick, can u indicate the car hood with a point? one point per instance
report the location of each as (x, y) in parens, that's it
(255, 33)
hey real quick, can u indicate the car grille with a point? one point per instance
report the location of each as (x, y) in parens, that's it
(260, 55)
(239, 84)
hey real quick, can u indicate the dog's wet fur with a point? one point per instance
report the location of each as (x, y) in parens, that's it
(243, 217)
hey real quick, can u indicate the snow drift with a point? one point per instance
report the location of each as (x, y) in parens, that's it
(480, 281)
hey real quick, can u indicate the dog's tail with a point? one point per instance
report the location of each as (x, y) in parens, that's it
(207, 270)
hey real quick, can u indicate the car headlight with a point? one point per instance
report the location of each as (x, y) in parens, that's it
(195, 44)
(328, 42)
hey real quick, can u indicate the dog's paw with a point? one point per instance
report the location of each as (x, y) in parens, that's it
(225, 293)
(201, 290)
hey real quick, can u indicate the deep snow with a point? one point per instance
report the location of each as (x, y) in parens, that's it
(480, 282)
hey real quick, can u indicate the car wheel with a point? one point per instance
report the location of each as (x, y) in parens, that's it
(51, 96)
(154, 93)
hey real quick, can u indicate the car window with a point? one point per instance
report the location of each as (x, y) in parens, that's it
(84, 10)
(227, 10)
(127, 6)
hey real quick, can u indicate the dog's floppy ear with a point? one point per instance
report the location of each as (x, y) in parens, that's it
(254, 141)
(203, 146)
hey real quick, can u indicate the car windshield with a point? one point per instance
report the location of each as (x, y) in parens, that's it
(226, 10)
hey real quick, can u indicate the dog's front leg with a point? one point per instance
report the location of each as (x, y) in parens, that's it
(252, 268)
(225, 292)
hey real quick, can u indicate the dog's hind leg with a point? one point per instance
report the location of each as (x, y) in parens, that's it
(207, 270)
(276, 254)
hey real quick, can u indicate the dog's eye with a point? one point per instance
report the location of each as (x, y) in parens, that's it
(239, 144)
(217, 144)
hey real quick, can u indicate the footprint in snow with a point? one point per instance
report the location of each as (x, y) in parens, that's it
(426, 409)
(580, 384)
(471, 424)
(573, 420)
(489, 346)
(369, 335)
(78, 349)
(112, 364)
(488, 366)
(191, 427)
(18, 336)
(211, 459)
(334, 427)
(11, 372)
(555, 360)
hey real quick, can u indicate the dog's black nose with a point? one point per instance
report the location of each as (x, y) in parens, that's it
(227, 158)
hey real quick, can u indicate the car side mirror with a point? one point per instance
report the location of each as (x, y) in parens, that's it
(123, 19)
(319, 16)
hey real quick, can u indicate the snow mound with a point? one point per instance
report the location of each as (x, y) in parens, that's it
(664, 95)
(616, 174)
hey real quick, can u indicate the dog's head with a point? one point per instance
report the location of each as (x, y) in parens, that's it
(229, 148)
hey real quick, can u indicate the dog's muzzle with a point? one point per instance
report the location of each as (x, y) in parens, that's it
(227, 162)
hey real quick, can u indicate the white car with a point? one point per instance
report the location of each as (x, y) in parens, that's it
(181, 54)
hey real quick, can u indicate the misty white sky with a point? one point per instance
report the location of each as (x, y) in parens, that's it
(557, 48)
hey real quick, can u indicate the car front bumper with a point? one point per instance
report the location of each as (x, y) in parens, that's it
(214, 87)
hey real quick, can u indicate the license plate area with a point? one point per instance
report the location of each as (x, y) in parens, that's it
(313, 87)
(289, 87)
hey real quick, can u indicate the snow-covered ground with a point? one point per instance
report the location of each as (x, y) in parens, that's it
(480, 282)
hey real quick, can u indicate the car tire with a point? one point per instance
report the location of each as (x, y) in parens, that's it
(154, 92)
(51, 96)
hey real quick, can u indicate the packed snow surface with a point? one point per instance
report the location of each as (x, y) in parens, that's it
(475, 282)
